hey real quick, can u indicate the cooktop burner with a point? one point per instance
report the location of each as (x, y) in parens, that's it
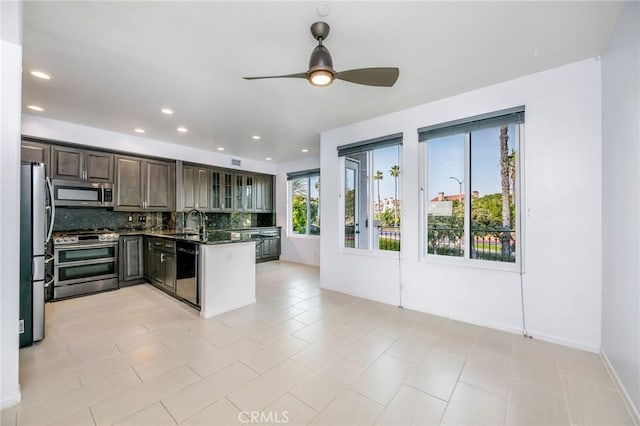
(84, 236)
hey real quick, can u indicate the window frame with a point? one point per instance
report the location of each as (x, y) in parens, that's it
(307, 234)
(369, 251)
(467, 260)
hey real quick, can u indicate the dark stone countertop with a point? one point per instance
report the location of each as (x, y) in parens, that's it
(225, 236)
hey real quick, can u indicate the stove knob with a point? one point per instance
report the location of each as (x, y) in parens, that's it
(66, 239)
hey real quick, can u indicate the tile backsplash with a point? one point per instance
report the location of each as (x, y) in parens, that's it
(226, 220)
(68, 219)
(95, 218)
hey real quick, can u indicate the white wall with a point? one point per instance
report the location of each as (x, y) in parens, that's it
(11, 63)
(621, 201)
(562, 206)
(105, 139)
(295, 248)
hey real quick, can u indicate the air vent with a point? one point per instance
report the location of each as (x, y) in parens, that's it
(235, 162)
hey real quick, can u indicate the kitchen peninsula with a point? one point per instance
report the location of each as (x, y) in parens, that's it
(215, 273)
(228, 277)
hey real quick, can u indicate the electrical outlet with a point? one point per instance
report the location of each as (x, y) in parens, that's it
(129, 218)
(142, 218)
(21, 326)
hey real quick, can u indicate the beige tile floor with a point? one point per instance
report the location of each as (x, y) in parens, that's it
(301, 355)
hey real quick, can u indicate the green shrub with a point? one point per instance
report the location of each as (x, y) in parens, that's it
(392, 245)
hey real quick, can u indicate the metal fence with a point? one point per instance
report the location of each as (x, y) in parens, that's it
(389, 238)
(488, 244)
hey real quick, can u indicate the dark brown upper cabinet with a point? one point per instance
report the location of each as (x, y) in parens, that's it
(142, 184)
(78, 164)
(196, 188)
(34, 152)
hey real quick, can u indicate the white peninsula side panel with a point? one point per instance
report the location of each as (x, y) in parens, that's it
(228, 273)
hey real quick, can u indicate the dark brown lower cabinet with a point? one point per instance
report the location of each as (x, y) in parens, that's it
(131, 258)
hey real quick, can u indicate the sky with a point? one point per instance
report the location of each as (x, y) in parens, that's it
(383, 160)
(446, 159)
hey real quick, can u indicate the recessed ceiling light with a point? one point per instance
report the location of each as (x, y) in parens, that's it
(255, 137)
(268, 158)
(167, 111)
(40, 74)
(220, 148)
(304, 150)
(182, 129)
(138, 130)
(35, 108)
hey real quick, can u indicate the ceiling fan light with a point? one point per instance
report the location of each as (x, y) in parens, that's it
(321, 77)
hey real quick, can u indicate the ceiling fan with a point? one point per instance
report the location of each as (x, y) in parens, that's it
(321, 72)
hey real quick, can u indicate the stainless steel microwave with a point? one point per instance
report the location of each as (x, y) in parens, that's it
(82, 194)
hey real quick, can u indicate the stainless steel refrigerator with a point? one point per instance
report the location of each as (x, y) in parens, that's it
(36, 260)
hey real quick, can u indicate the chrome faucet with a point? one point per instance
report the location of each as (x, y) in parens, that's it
(202, 230)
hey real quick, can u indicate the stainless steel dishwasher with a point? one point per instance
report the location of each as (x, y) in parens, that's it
(187, 282)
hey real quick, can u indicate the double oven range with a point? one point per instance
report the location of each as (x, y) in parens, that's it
(85, 262)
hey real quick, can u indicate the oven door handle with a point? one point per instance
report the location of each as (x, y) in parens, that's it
(86, 246)
(96, 261)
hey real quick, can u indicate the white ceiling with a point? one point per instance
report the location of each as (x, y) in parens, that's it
(115, 64)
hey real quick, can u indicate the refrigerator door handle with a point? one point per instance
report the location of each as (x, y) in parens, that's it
(37, 268)
(51, 208)
(48, 283)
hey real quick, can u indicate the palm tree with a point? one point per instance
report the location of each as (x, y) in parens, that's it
(504, 175)
(299, 194)
(299, 187)
(379, 176)
(395, 172)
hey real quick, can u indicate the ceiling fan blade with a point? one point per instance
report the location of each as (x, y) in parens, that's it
(383, 77)
(299, 75)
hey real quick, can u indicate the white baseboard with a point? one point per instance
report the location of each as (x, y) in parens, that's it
(209, 314)
(11, 401)
(296, 262)
(354, 294)
(633, 410)
(565, 342)
(515, 330)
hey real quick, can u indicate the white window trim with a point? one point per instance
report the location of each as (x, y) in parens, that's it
(466, 261)
(302, 236)
(370, 251)
(290, 233)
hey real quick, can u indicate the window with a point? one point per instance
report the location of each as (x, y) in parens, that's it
(371, 204)
(304, 202)
(472, 187)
